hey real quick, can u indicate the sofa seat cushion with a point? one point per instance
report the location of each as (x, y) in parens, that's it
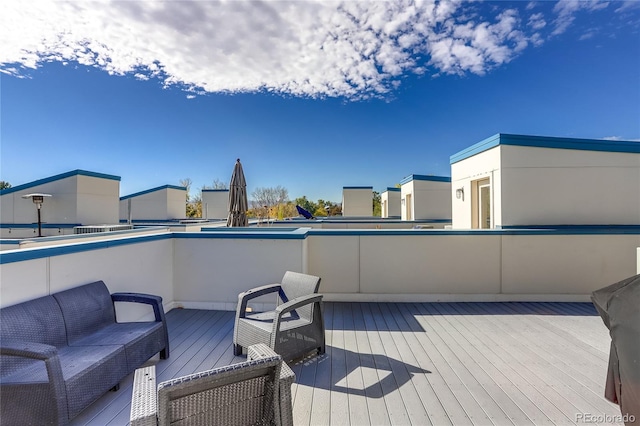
(141, 340)
(88, 372)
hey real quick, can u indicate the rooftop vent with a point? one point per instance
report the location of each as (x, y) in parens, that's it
(88, 229)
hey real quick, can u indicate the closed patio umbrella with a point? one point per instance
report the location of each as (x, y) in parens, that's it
(619, 307)
(237, 198)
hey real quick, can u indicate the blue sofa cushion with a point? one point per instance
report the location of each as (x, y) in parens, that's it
(140, 339)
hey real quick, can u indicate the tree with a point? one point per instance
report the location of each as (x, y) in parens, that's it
(306, 204)
(327, 207)
(4, 184)
(265, 199)
(377, 204)
(218, 184)
(191, 208)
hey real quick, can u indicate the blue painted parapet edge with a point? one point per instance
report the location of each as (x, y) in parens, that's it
(546, 142)
(425, 178)
(57, 177)
(19, 255)
(158, 188)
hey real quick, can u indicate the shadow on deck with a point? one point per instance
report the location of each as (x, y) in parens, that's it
(417, 363)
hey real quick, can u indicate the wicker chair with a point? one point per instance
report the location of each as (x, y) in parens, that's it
(294, 328)
(257, 391)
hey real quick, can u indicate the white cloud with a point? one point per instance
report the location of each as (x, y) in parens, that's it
(566, 10)
(537, 22)
(312, 48)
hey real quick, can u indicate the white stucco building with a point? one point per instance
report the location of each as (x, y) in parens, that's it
(390, 203)
(78, 197)
(357, 201)
(519, 181)
(425, 197)
(215, 203)
(166, 202)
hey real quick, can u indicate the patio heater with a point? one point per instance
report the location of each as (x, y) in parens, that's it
(38, 200)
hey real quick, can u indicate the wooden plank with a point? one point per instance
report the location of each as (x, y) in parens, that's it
(507, 374)
(455, 356)
(358, 410)
(339, 398)
(441, 404)
(584, 399)
(321, 404)
(397, 351)
(372, 389)
(392, 397)
(521, 362)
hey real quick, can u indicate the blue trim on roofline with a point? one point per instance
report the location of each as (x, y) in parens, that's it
(594, 228)
(392, 189)
(35, 225)
(546, 142)
(248, 233)
(426, 178)
(58, 177)
(40, 252)
(250, 229)
(357, 187)
(159, 188)
(215, 190)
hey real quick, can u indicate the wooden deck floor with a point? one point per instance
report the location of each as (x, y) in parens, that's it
(419, 364)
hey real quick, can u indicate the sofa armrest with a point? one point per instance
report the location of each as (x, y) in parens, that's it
(39, 351)
(158, 311)
(149, 299)
(144, 406)
(48, 354)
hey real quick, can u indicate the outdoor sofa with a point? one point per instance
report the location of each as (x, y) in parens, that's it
(59, 353)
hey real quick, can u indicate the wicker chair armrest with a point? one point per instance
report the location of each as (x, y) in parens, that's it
(260, 350)
(287, 378)
(244, 297)
(144, 405)
(39, 351)
(292, 305)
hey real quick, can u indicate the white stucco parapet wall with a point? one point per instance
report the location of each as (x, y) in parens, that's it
(425, 197)
(165, 202)
(549, 181)
(390, 203)
(201, 270)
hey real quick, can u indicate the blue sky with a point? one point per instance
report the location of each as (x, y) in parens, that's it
(311, 96)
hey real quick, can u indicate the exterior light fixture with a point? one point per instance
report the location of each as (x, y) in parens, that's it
(460, 194)
(38, 199)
